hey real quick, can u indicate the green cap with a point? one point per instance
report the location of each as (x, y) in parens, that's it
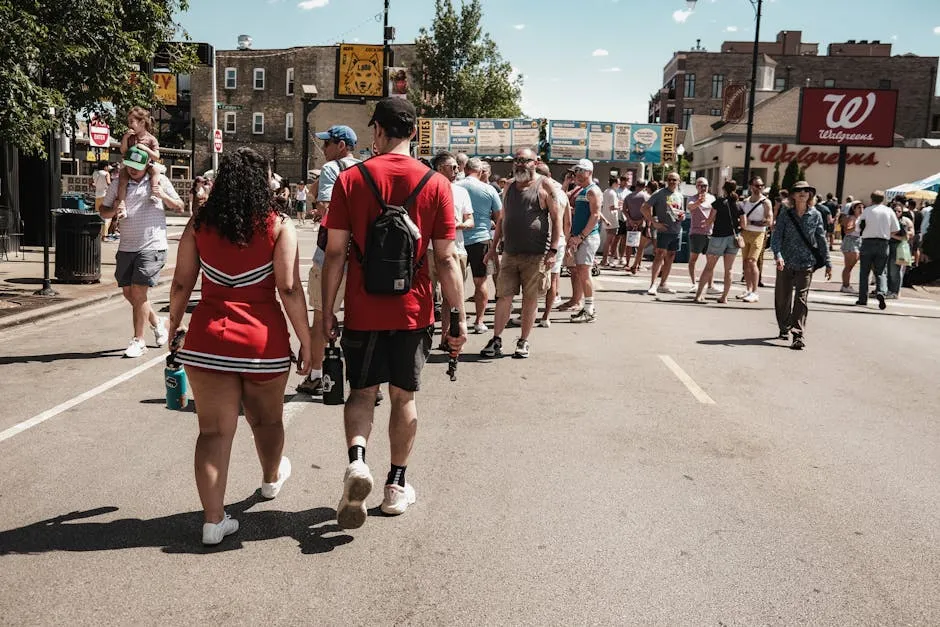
(136, 158)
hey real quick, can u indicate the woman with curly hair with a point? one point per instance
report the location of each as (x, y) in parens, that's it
(237, 350)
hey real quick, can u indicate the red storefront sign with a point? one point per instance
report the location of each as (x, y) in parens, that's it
(847, 117)
(772, 153)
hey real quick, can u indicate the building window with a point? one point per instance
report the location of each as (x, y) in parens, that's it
(259, 78)
(289, 127)
(257, 126)
(780, 84)
(690, 85)
(230, 122)
(714, 112)
(686, 116)
(290, 81)
(884, 84)
(718, 85)
(231, 77)
(829, 82)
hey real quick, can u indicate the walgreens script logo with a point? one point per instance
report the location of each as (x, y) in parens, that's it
(847, 113)
(847, 117)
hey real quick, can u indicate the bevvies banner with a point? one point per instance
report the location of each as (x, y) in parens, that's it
(847, 117)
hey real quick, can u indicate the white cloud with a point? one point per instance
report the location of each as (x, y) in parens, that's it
(600, 52)
(731, 29)
(611, 69)
(519, 26)
(894, 37)
(306, 5)
(936, 30)
(681, 15)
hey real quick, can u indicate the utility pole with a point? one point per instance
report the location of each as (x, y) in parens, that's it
(750, 109)
(387, 36)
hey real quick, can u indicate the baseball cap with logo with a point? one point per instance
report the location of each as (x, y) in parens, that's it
(136, 158)
(396, 115)
(338, 133)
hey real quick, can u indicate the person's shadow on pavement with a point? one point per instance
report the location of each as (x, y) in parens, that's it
(178, 533)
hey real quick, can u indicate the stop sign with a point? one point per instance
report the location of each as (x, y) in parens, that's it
(217, 141)
(99, 134)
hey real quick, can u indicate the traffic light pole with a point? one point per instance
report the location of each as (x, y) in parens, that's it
(750, 109)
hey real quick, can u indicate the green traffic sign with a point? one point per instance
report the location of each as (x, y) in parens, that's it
(227, 107)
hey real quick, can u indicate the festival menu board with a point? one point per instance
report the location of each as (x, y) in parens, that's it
(484, 137)
(570, 140)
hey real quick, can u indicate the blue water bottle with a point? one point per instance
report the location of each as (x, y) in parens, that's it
(177, 385)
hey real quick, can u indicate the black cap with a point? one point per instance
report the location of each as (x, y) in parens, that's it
(396, 115)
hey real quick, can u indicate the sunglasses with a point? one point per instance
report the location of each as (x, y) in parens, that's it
(522, 160)
(705, 185)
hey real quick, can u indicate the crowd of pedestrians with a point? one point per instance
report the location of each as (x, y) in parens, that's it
(396, 244)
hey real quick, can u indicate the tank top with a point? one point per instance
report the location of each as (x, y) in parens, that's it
(757, 214)
(525, 222)
(582, 212)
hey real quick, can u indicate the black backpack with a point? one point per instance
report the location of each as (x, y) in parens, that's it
(388, 260)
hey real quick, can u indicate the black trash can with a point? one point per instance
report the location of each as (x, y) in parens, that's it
(78, 246)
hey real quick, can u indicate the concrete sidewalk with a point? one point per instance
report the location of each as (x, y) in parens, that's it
(22, 275)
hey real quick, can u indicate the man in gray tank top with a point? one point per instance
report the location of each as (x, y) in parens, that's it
(530, 228)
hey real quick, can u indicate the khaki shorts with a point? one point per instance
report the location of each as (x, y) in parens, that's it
(432, 267)
(526, 271)
(315, 290)
(753, 244)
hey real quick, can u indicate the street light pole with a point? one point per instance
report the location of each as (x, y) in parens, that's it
(310, 102)
(750, 108)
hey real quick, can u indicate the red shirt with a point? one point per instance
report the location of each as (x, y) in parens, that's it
(353, 208)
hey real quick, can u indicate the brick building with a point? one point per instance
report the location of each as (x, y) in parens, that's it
(694, 81)
(259, 96)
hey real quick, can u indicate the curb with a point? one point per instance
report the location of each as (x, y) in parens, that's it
(50, 311)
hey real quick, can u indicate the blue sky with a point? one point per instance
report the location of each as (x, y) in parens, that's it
(584, 60)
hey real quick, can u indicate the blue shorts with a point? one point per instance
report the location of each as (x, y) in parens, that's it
(719, 246)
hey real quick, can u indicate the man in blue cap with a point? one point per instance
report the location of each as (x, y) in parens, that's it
(338, 142)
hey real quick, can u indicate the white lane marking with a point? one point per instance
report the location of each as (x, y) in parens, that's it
(81, 398)
(292, 407)
(686, 380)
(817, 296)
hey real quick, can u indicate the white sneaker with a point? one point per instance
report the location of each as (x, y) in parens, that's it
(213, 533)
(397, 499)
(160, 333)
(480, 328)
(545, 323)
(665, 289)
(270, 490)
(848, 289)
(652, 290)
(136, 348)
(751, 298)
(693, 289)
(714, 291)
(742, 295)
(357, 483)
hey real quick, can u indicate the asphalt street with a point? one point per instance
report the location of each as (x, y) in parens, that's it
(670, 464)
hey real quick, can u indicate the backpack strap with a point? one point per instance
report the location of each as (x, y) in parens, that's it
(411, 198)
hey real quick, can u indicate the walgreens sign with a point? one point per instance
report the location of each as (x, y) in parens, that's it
(847, 117)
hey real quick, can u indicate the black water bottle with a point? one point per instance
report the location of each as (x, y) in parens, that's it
(333, 388)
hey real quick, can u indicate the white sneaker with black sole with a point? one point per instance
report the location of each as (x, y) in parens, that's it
(522, 349)
(351, 512)
(493, 348)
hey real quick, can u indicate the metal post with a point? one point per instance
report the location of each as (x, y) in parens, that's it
(215, 113)
(47, 222)
(387, 49)
(308, 107)
(750, 110)
(840, 172)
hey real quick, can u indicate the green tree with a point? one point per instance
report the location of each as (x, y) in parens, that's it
(801, 174)
(791, 175)
(775, 185)
(458, 70)
(76, 55)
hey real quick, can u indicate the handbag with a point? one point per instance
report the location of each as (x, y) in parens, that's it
(738, 238)
(817, 254)
(903, 256)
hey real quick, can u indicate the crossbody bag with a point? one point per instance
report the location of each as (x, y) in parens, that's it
(817, 254)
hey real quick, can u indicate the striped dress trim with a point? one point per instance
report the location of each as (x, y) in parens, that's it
(250, 277)
(233, 364)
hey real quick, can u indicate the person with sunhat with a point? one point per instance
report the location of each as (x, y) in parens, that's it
(142, 251)
(800, 246)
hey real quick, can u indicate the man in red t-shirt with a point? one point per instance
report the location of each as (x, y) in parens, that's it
(387, 338)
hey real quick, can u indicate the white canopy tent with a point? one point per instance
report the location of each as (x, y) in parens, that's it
(931, 183)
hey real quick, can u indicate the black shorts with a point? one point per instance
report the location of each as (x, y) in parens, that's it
(622, 228)
(475, 254)
(393, 357)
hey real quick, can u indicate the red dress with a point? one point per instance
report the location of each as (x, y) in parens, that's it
(238, 325)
